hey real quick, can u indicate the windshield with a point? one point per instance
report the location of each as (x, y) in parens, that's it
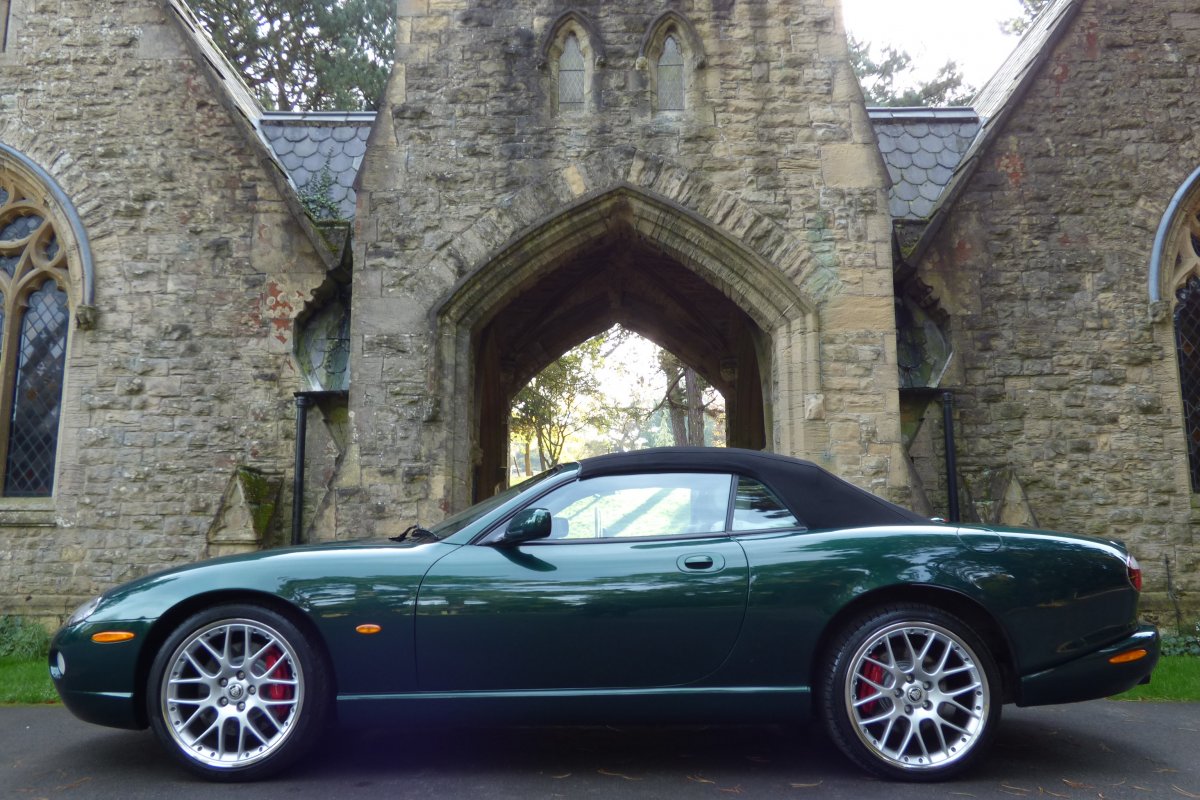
(453, 524)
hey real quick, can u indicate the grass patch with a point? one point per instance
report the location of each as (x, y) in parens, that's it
(24, 676)
(25, 680)
(1176, 678)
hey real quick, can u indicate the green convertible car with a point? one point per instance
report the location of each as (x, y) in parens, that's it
(666, 585)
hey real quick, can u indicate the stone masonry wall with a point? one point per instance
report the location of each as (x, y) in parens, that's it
(1065, 372)
(200, 269)
(774, 154)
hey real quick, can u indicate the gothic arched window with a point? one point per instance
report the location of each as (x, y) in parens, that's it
(572, 71)
(670, 76)
(34, 320)
(1187, 346)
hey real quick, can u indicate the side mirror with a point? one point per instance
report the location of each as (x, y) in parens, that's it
(527, 525)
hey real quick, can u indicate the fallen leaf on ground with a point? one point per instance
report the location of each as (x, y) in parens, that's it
(1042, 790)
(617, 775)
(1184, 793)
(806, 785)
(560, 777)
(733, 790)
(698, 779)
(1077, 784)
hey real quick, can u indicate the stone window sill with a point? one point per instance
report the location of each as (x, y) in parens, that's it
(34, 512)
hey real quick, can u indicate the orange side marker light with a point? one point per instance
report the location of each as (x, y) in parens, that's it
(1125, 658)
(111, 637)
(368, 629)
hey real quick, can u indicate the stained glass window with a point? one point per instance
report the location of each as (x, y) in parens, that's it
(1187, 343)
(571, 73)
(34, 318)
(670, 76)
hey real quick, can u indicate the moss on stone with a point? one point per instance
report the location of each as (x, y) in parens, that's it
(261, 494)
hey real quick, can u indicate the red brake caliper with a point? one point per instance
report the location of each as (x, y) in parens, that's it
(278, 691)
(874, 673)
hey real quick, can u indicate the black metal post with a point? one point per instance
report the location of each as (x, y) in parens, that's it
(951, 457)
(303, 403)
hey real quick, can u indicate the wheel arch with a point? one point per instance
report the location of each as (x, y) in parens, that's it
(963, 606)
(168, 622)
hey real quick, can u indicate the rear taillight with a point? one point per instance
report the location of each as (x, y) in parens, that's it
(1135, 572)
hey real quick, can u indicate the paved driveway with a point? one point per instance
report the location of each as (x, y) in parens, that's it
(1101, 749)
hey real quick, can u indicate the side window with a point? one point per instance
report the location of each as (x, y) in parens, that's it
(663, 504)
(755, 508)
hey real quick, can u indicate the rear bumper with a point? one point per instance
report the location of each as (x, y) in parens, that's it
(1094, 675)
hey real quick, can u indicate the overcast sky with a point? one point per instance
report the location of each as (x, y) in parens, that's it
(934, 31)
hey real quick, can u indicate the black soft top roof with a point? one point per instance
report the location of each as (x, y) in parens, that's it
(818, 498)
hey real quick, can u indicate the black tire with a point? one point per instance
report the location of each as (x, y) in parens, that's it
(909, 692)
(237, 693)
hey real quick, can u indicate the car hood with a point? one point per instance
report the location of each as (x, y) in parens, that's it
(294, 574)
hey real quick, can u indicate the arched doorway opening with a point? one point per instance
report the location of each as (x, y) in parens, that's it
(617, 280)
(621, 258)
(615, 392)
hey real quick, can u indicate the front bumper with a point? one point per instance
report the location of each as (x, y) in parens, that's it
(97, 681)
(1094, 676)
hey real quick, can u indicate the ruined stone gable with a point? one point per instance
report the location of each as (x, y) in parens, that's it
(180, 371)
(1065, 367)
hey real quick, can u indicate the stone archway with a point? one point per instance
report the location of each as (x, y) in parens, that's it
(627, 257)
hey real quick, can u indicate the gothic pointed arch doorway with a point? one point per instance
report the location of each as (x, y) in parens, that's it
(620, 258)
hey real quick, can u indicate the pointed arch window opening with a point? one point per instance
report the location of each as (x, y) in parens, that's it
(323, 346)
(670, 76)
(572, 74)
(1187, 346)
(35, 314)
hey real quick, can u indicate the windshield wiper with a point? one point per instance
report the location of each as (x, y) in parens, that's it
(414, 531)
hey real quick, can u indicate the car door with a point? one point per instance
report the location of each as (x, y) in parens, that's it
(638, 586)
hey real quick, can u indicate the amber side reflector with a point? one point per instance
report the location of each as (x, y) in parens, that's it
(369, 629)
(111, 637)
(1125, 658)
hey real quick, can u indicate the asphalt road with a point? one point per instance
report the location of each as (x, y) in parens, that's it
(1102, 749)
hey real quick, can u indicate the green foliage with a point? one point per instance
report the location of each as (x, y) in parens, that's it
(553, 406)
(1029, 11)
(21, 638)
(317, 199)
(310, 55)
(1184, 643)
(882, 81)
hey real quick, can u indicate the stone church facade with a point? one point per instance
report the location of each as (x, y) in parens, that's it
(703, 172)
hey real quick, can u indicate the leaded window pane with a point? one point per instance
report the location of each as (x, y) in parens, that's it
(670, 77)
(19, 227)
(37, 396)
(1187, 343)
(323, 348)
(570, 76)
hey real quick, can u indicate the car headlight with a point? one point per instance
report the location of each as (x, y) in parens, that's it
(83, 612)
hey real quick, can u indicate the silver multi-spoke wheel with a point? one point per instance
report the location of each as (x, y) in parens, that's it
(237, 692)
(911, 692)
(917, 695)
(232, 692)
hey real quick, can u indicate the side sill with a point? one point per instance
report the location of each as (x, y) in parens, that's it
(585, 706)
